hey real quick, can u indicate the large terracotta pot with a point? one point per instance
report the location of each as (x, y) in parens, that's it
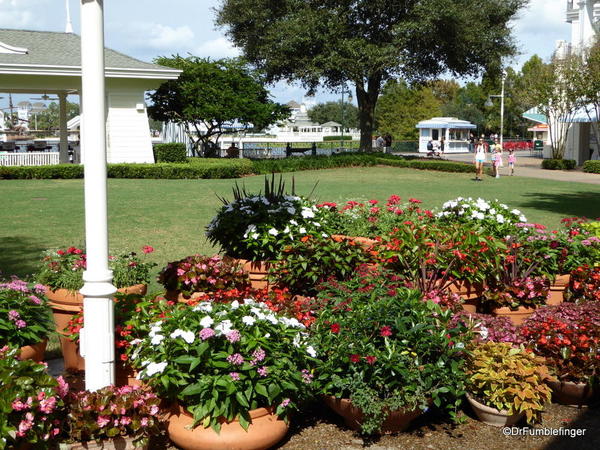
(65, 304)
(492, 416)
(395, 422)
(258, 272)
(364, 242)
(557, 290)
(517, 316)
(117, 443)
(466, 290)
(572, 394)
(125, 375)
(34, 352)
(264, 432)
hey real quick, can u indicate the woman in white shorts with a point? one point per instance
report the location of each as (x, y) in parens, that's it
(479, 159)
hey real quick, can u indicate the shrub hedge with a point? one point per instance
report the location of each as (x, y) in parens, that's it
(559, 164)
(234, 168)
(170, 153)
(591, 166)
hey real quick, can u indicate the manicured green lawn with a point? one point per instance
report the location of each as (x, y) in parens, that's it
(171, 215)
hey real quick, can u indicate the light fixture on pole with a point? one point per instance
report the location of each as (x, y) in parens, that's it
(489, 103)
(343, 109)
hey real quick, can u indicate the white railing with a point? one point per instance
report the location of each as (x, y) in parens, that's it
(29, 159)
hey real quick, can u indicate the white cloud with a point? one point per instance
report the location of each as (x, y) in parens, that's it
(156, 36)
(17, 13)
(217, 48)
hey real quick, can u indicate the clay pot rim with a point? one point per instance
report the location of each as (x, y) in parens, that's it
(489, 409)
(254, 413)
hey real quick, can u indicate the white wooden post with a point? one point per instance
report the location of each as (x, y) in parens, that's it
(98, 342)
(63, 148)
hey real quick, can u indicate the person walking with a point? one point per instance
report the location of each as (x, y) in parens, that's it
(480, 151)
(512, 159)
(442, 146)
(498, 161)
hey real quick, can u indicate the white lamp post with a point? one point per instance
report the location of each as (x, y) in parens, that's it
(98, 333)
(489, 103)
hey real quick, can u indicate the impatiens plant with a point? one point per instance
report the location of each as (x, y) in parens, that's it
(257, 227)
(508, 379)
(584, 284)
(308, 261)
(113, 412)
(491, 216)
(568, 337)
(25, 317)
(222, 360)
(31, 402)
(386, 349)
(199, 273)
(63, 269)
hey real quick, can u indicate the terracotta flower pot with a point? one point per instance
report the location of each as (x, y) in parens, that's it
(517, 316)
(265, 431)
(395, 422)
(125, 375)
(492, 416)
(65, 304)
(364, 242)
(34, 352)
(557, 290)
(258, 272)
(117, 443)
(466, 290)
(572, 394)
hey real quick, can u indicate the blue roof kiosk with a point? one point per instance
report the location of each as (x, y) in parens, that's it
(454, 131)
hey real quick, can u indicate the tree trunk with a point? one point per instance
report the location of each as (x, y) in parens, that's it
(367, 100)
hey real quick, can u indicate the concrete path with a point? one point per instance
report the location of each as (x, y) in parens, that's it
(531, 166)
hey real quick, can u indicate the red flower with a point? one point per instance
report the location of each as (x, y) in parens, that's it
(147, 249)
(414, 200)
(60, 252)
(385, 331)
(371, 359)
(354, 358)
(373, 202)
(335, 328)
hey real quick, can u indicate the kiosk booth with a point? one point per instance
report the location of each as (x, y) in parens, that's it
(454, 131)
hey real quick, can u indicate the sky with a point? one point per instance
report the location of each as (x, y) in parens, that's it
(146, 29)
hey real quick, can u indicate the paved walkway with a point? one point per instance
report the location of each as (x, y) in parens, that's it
(531, 166)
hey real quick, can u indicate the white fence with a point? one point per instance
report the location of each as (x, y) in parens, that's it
(28, 159)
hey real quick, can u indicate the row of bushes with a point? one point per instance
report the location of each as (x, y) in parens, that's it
(591, 166)
(559, 164)
(233, 168)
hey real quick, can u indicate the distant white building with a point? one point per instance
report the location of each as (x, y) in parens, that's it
(455, 133)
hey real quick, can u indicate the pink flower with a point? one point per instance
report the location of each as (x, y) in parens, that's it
(154, 410)
(147, 249)
(257, 356)
(263, 371)
(125, 420)
(385, 331)
(285, 403)
(234, 376)
(14, 315)
(233, 336)
(206, 333)
(102, 421)
(18, 405)
(47, 405)
(236, 359)
(307, 377)
(20, 324)
(144, 422)
(35, 300)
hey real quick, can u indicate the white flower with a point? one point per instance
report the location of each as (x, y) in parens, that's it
(483, 331)
(492, 211)
(302, 230)
(324, 235)
(248, 320)
(286, 230)
(516, 212)
(157, 339)
(522, 218)
(135, 341)
(316, 224)
(273, 232)
(204, 306)
(155, 368)
(461, 212)
(500, 218)
(250, 229)
(249, 301)
(254, 235)
(268, 335)
(293, 222)
(234, 304)
(307, 213)
(223, 328)
(206, 322)
(291, 210)
(154, 330)
(187, 336)
(272, 318)
(311, 351)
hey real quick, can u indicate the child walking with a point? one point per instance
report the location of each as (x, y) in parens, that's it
(497, 159)
(512, 159)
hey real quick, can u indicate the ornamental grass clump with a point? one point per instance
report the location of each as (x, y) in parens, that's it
(491, 216)
(385, 349)
(568, 337)
(25, 318)
(63, 269)
(199, 273)
(222, 360)
(258, 226)
(113, 412)
(31, 403)
(508, 379)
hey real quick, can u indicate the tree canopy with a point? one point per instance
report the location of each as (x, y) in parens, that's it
(210, 95)
(345, 114)
(367, 42)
